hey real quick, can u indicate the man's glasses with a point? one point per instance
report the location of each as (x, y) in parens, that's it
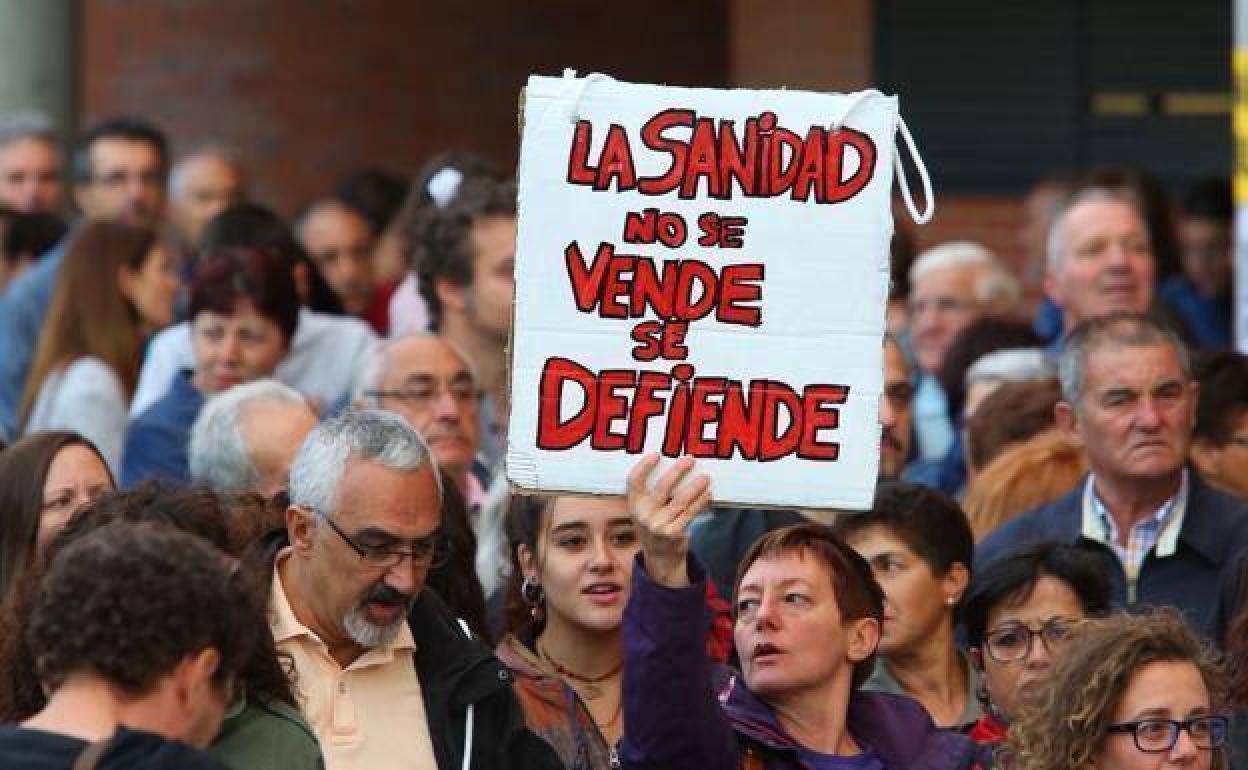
(1011, 642)
(431, 552)
(423, 396)
(1157, 735)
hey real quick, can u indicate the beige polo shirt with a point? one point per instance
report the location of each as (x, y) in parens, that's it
(368, 716)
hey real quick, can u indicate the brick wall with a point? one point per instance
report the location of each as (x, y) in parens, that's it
(312, 89)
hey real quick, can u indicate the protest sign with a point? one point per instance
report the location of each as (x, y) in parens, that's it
(701, 272)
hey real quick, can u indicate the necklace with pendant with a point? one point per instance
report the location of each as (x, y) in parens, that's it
(589, 689)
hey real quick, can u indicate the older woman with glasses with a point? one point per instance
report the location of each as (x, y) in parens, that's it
(1134, 692)
(1019, 613)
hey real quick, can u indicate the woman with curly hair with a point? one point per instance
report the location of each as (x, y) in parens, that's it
(1134, 692)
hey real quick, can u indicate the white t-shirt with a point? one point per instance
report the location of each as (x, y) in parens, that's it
(87, 397)
(408, 310)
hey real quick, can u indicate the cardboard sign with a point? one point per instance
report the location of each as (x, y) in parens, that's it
(701, 272)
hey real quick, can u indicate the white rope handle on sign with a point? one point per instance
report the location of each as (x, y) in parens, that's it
(593, 77)
(904, 183)
(856, 100)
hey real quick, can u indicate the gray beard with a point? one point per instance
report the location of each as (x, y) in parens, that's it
(368, 634)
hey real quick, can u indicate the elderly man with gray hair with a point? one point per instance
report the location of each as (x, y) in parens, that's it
(30, 165)
(952, 285)
(430, 383)
(1162, 533)
(245, 438)
(1100, 258)
(386, 676)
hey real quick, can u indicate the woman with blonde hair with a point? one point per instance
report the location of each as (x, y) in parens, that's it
(1132, 692)
(1024, 476)
(116, 286)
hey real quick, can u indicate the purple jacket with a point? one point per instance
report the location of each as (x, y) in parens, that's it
(681, 712)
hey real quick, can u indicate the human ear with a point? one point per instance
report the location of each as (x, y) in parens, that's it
(977, 658)
(1206, 457)
(954, 583)
(299, 527)
(451, 296)
(1068, 422)
(82, 196)
(864, 637)
(1052, 289)
(126, 279)
(303, 282)
(527, 561)
(192, 675)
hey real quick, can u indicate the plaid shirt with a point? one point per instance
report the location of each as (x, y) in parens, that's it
(1159, 531)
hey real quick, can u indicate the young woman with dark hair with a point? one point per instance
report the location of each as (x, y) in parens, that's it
(573, 561)
(44, 478)
(573, 558)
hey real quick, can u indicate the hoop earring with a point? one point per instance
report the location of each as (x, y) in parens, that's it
(533, 595)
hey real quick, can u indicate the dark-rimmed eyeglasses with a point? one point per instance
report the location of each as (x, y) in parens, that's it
(1011, 642)
(1157, 735)
(432, 551)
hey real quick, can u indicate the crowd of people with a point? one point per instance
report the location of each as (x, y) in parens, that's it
(254, 514)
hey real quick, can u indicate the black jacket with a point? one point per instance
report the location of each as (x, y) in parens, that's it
(1215, 528)
(463, 683)
(126, 750)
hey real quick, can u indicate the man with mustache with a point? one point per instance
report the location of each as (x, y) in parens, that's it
(895, 412)
(1163, 534)
(384, 674)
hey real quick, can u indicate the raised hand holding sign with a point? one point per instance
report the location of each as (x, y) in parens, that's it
(663, 513)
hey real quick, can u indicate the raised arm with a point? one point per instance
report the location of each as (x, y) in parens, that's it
(671, 716)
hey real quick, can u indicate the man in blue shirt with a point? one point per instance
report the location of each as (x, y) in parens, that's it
(120, 167)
